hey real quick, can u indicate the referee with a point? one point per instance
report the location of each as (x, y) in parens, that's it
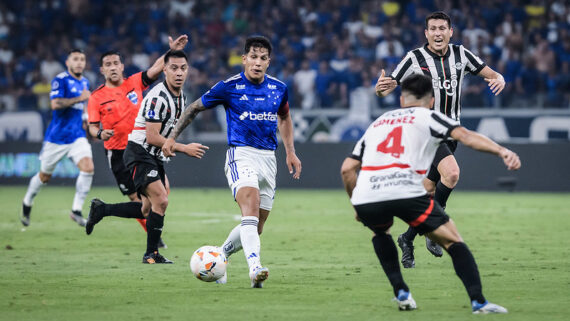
(446, 64)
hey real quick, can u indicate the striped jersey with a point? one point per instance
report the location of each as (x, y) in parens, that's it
(251, 109)
(396, 152)
(446, 72)
(159, 106)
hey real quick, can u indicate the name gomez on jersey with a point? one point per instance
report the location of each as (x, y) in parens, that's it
(396, 152)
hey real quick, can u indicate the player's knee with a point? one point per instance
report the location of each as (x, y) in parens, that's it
(44, 178)
(162, 202)
(429, 185)
(451, 176)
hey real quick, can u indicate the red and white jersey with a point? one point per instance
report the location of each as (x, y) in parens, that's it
(396, 152)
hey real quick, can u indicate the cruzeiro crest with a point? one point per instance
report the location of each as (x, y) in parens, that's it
(132, 95)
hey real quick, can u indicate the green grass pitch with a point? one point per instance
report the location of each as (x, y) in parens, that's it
(321, 261)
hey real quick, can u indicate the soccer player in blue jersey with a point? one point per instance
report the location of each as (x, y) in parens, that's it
(256, 105)
(65, 136)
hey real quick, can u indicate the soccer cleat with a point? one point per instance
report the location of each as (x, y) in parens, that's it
(223, 279)
(25, 215)
(258, 275)
(155, 258)
(78, 218)
(95, 214)
(161, 244)
(486, 308)
(405, 301)
(407, 252)
(434, 248)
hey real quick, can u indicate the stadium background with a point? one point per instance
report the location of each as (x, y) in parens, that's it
(329, 53)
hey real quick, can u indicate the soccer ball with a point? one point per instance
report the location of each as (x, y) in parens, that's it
(208, 263)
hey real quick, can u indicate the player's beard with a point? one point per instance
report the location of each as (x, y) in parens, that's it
(76, 74)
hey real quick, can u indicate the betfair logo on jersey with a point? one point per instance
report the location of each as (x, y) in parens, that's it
(260, 116)
(450, 85)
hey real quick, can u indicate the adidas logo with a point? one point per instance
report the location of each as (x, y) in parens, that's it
(244, 97)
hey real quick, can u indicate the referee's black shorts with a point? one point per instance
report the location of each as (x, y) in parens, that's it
(120, 171)
(446, 148)
(421, 213)
(144, 167)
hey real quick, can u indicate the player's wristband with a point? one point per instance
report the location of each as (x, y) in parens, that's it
(99, 133)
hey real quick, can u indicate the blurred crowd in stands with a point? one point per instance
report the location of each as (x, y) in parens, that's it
(329, 52)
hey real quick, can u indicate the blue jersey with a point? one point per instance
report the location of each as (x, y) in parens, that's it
(66, 124)
(251, 109)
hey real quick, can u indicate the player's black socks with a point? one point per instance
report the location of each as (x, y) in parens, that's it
(466, 269)
(387, 253)
(126, 210)
(442, 194)
(410, 234)
(154, 223)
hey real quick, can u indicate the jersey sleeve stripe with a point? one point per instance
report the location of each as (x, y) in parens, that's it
(402, 69)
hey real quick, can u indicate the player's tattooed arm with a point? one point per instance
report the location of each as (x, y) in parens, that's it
(170, 146)
(60, 103)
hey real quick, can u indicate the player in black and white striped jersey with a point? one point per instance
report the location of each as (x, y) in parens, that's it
(158, 114)
(446, 64)
(383, 178)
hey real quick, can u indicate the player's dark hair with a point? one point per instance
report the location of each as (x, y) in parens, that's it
(418, 85)
(438, 15)
(75, 50)
(110, 53)
(257, 42)
(174, 54)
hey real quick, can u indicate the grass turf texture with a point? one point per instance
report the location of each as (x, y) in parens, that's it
(322, 264)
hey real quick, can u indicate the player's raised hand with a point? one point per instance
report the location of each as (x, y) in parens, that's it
(179, 43)
(496, 85)
(385, 84)
(85, 94)
(195, 150)
(511, 159)
(168, 147)
(294, 162)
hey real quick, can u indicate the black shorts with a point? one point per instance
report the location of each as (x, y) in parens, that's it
(445, 149)
(421, 213)
(144, 167)
(120, 171)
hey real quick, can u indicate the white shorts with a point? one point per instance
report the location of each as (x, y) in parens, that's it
(252, 167)
(52, 153)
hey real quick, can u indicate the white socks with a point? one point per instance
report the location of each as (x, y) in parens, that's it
(82, 187)
(250, 240)
(233, 242)
(33, 189)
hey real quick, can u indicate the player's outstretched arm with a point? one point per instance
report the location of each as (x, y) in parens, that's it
(385, 85)
(285, 124)
(170, 146)
(495, 80)
(483, 143)
(154, 71)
